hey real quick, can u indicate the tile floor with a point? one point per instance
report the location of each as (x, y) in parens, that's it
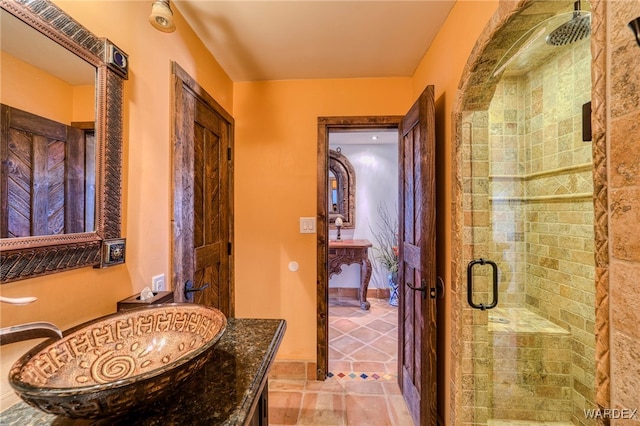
(525, 423)
(362, 387)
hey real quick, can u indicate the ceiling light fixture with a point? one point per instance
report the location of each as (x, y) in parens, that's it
(374, 138)
(162, 17)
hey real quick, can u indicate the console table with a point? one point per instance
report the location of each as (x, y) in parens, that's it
(347, 252)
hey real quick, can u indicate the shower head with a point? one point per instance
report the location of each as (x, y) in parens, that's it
(576, 29)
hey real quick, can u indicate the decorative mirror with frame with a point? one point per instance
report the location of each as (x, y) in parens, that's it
(45, 252)
(342, 190)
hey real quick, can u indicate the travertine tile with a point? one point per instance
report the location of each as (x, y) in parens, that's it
(350, 399)
(624, 288)
(536, 202)
(625, 366)
(322, 409)
(370, 410)
(625, 215)
(364, 387)
(295, 370)
(284, 407)
(398, 413)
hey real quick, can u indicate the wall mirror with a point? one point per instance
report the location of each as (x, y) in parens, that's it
(342, 190)
(60, 141)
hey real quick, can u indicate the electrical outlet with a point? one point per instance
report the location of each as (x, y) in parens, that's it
(158, 284)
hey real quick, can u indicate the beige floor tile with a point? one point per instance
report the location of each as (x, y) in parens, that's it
(391, 388)
(363, 387)
(322, 408)
(370, 410)
(365, 334)
(329, 385)
(343, 325)
(398, 412)
(284, 407)
(392, 367)
(340, 365)
(346, 345)
(359, 342)
(371, 354)
(382, 326)
(287, 385)
(385, 344)
(369, 366)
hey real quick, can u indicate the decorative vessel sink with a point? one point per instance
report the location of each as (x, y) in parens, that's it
(115, 364)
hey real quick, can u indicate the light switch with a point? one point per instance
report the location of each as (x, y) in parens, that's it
(307, 225)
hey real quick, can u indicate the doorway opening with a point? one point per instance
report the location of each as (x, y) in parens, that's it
(361, 331)
(363, 255)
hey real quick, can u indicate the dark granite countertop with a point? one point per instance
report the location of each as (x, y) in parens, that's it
(224, 392)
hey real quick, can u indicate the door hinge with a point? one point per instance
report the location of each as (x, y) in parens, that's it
(228, 153)
(229, 248)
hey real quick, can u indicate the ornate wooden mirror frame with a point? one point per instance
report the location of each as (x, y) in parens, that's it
(345, 176)
(27, 257)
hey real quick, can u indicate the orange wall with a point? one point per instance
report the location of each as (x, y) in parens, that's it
(442, 67)
(28, 88)
(73, 297)
(84, 103)
(275, 170)
(276, 184)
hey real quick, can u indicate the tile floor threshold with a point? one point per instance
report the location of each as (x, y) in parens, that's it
(362, 388)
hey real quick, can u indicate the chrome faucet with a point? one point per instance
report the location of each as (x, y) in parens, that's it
(31, 330)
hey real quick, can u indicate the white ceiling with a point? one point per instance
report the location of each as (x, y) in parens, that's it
(364, 137)
(308, 39)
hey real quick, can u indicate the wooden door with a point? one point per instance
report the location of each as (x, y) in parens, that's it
(417, 373)
(44, 168)
(202, 197)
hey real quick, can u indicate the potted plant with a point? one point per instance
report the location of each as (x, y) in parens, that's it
(385, 250)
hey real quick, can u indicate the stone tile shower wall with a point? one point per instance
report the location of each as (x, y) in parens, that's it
(623, 124)
(560, 239)
(531, 367)
(528, 197)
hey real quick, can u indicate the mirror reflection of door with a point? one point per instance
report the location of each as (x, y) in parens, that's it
(47, 142)
(48, 176)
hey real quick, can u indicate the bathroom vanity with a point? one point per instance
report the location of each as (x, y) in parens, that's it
(231, 389)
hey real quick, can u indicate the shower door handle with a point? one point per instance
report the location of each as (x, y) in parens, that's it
(494, 267)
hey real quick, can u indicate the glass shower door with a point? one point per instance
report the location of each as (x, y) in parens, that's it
(528, 316)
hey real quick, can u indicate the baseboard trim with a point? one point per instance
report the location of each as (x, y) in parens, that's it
(372, 293)
(293, 370)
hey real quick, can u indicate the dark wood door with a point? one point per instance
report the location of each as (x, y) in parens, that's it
(202, 198)
(210, 200)
(417, 273)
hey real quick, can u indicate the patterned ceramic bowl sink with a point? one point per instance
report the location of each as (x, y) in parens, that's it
(112, 365)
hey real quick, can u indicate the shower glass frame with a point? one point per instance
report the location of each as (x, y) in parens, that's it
(531, 212)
